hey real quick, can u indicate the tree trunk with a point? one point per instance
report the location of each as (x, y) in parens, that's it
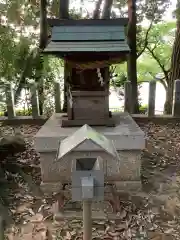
(96, 13)
(107, 9)
(66, 75)
(169, 99)
(43, 24)
(42, 45)
(131, 63)
(175, 63)
(106, 15)
(64, 14)
(64, 9)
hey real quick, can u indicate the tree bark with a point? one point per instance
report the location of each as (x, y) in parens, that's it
(168, 86)
(169, 99)
(175, 63)
(131, 63)
(64, 14)
(64, 9)
(96, 13)
(42, 45)
(107, 9)
(106, 13)
(43, 24)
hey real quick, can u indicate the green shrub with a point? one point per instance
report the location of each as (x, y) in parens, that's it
(26, 112)
(143, 109)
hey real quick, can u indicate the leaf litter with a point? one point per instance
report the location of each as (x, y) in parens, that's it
(150, 214)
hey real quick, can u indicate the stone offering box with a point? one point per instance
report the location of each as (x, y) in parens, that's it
(59, 147)
(87, 154)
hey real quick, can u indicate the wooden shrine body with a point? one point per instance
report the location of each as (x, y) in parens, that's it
(88, 101)
(88, 48)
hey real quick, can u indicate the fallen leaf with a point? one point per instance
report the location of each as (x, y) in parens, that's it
(37, 218)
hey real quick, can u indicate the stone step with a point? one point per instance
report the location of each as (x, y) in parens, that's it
(100, 215)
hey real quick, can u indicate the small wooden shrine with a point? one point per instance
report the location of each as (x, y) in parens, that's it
(88, 48)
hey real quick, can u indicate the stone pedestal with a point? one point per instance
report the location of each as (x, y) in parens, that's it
(128, 139)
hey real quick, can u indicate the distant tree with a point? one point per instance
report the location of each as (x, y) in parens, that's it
(138, 11)
(21, 58)
(160, 44)
(156, 58)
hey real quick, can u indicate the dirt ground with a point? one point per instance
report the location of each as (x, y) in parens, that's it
(151, 214)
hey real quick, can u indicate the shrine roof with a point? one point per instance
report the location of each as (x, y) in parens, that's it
(89, 35)
(102, 46)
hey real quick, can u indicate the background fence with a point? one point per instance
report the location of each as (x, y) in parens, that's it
(34, 102)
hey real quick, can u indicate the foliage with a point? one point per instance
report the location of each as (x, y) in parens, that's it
(20, 62)
(160, 40)
(119, 80)
(148, 9)
(8, 52)
(25, 112)
(160, 44)
(143, 109)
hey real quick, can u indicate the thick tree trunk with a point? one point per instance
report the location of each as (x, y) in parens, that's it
(132, 64)
(42, 45)
(64, 14)
(64, 9)
(106, 13)
(43, 24)
(107, 9)
(175, 63)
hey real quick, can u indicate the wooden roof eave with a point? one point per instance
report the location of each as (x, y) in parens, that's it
(88, 22)
(85, 53)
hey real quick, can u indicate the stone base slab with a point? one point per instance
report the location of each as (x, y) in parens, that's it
(51, 187)
(80, 122)
(126, 134)
(70, 215)
(128, 186)
(121, 186)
